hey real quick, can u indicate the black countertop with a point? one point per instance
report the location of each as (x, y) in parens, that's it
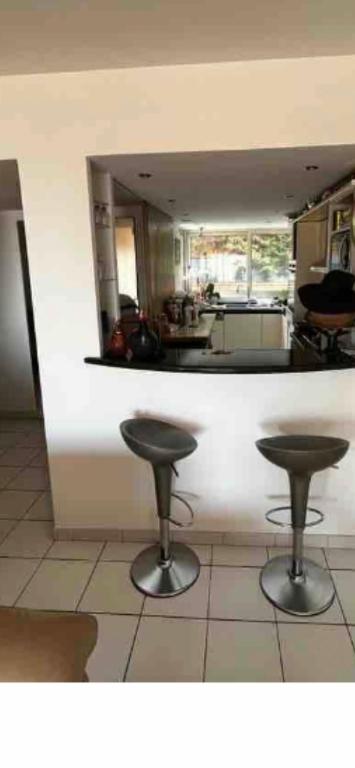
(291, 360)
(252, 309)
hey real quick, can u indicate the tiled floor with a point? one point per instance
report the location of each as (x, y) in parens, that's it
(221, 630)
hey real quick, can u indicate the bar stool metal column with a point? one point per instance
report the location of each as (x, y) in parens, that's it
(293, 583)
(167, 568)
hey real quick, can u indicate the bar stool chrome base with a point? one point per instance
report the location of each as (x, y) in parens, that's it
(155, 578)
(307, 595)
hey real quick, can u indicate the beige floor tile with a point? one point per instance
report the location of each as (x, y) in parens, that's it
(31, 479)
(34, 439)
(203, 552)
(75, 550)
(332, 616)
(107, 663)
(21, 425)
(17, 457)
(14, 504)
(42, 508)
(5, 527)
(313, 553)
(341, 558)
(57, 585)
(10, 439)
(236, 594)
(312, 654)
(14, 575)
(122, 551)
(252, 556)
(239, 651)
(345, 585)
(168, 650)
(40, 459)
(28, 539)
(111, 591)
(192, 603)
(6, 475)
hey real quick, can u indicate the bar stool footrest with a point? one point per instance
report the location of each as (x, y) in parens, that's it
(287, 524)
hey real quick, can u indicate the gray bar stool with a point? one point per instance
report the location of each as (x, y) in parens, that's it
(293, 583)
(164, 569)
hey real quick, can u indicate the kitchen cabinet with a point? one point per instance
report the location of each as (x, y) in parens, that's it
(242, 331)
(271, 331)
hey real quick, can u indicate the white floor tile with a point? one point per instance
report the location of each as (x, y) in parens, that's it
(122, 551)
(107, 663)
(42, 508)
(239, 651)
(313, 553)
(5, 527)
(75, 550)
(191, 603)
(14, 504)
(10, 439)
(6, 475)
(168, 650)
(14, 575)
(236, 594)
(21, 425)
(252, 556)
(35, 439)
(40, 459)
(341, 558)
(345, 585)
(111, 591)
(28, 539)
(57, 585)
(332, 616)
(314, 654)
(17, 457)
(31, 479)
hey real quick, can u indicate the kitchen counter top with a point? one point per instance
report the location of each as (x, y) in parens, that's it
(186, 335)
(253, 309)
(239, 361)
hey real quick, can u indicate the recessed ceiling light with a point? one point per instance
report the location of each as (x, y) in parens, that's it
(289, 196)
(144, 175)
(311, 167)
(171, 200)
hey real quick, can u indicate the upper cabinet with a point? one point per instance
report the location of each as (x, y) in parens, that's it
(324, 239)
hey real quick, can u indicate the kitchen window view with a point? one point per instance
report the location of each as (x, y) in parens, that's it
(249, 264)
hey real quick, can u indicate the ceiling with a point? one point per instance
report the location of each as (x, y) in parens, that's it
(10, 193)
(231, 189)
(71, 35)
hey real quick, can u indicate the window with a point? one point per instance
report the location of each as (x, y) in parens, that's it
(241, 264)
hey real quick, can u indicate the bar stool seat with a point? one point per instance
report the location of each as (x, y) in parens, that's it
(303, 453)
(165, 569)
(293, 583)
(157, 441)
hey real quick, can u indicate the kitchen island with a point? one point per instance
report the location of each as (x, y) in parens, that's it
(232, 486)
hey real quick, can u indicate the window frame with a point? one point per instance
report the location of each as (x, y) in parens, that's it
(247, 233)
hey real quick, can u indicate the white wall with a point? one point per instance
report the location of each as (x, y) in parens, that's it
(16, 379)
(50, 123)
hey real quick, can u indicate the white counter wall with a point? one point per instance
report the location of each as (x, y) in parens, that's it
(101, 483)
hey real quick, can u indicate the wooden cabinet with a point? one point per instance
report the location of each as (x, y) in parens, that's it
(242, 331)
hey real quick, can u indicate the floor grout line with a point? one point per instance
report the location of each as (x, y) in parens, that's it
(90, 577)
(207, 622)
(277, 631)
(124, 677)
(341, 605)
(32, 575)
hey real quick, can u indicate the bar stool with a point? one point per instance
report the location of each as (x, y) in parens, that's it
(165, 569)
(293, 583)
